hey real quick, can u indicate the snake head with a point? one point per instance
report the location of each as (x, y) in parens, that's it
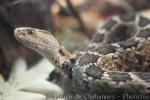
(25, 35)
(44, 43)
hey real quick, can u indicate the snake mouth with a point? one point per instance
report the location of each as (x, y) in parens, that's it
(16, 33)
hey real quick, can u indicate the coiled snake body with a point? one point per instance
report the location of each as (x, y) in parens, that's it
(117, 59)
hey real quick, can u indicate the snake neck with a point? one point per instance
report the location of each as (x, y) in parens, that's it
(55, 52)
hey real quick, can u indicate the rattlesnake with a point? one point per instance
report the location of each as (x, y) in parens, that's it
(116, 61)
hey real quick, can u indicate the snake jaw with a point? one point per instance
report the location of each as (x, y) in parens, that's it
(44, 43)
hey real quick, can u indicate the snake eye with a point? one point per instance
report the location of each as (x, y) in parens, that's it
(30, 32)
(23, 33)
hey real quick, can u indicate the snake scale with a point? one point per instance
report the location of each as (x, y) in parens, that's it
(116, 61)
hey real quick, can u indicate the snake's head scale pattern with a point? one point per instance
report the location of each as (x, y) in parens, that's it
(44, 43)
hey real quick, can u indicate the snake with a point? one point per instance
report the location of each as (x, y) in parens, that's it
(116, 60)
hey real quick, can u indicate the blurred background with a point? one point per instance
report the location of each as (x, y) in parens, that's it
(72, 22)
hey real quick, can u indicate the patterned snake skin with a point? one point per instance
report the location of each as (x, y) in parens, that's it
(116, 61)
